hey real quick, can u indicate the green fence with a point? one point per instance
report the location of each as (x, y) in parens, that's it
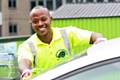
(108, 26)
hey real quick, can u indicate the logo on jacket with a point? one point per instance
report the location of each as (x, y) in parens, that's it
(61, 53)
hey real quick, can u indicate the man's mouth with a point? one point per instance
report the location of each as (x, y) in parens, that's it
(42, 29)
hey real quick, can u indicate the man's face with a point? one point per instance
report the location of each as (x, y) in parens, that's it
(41, 22)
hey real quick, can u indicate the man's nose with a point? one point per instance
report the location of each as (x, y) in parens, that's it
(40, 23)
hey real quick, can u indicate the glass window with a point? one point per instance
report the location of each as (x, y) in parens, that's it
(100, 1)
(12, 3)
(58, 3)
(15, 28)
(41, 3)
(79, 1)
(111, 0)
(89, 0)
(50, 4)
(69, 1)
(12, 28)
(33, 4)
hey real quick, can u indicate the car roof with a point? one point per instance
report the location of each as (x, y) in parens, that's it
(96, 53)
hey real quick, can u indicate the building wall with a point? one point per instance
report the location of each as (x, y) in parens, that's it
(108, 26)
(0, 5)
(19, 16)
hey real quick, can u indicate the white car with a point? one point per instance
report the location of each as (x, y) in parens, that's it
(102, 62)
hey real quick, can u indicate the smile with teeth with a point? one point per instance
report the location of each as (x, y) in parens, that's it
(43, 28)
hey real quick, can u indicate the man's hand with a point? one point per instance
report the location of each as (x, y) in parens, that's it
(26, 74)
(98, 40)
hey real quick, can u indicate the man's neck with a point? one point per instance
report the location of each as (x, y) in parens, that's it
(47, 38)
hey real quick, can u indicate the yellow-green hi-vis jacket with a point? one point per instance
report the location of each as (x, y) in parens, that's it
(67, 43)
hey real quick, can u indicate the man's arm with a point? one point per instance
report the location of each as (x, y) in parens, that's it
(24, 68)
(24, 64)
(96, 38)
(24, 60)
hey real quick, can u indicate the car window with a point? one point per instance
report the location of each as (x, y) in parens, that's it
(105, 70)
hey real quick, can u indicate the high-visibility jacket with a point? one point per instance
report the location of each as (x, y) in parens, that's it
(51, 55)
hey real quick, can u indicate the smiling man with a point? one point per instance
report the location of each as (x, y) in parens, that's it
(47, 48)
(41, 19)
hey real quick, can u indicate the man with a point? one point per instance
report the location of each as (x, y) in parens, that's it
(48, 43)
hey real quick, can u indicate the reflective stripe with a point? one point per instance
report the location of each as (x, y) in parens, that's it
(33, 50)
(66, 40)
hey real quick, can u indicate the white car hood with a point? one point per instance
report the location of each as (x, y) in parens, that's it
(99, 52)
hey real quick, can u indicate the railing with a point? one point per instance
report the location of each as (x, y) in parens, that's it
(13, 38)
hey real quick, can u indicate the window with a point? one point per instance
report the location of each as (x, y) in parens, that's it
(111, 0)
(13, 28)
(89, 0)
(12, 3)
(40, 3)
(100, 1)
(58, 3)
(69, 1)
(33, 4)
(50, 4)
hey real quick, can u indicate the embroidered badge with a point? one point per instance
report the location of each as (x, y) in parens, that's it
(61, 53)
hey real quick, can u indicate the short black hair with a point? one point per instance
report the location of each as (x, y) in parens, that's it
(40, 7)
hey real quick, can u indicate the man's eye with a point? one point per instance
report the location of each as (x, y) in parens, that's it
(35, 22)
(43, 19)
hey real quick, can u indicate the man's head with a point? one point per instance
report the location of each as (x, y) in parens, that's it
(40, 19)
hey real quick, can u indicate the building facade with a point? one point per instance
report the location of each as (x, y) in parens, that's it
(15, 17)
